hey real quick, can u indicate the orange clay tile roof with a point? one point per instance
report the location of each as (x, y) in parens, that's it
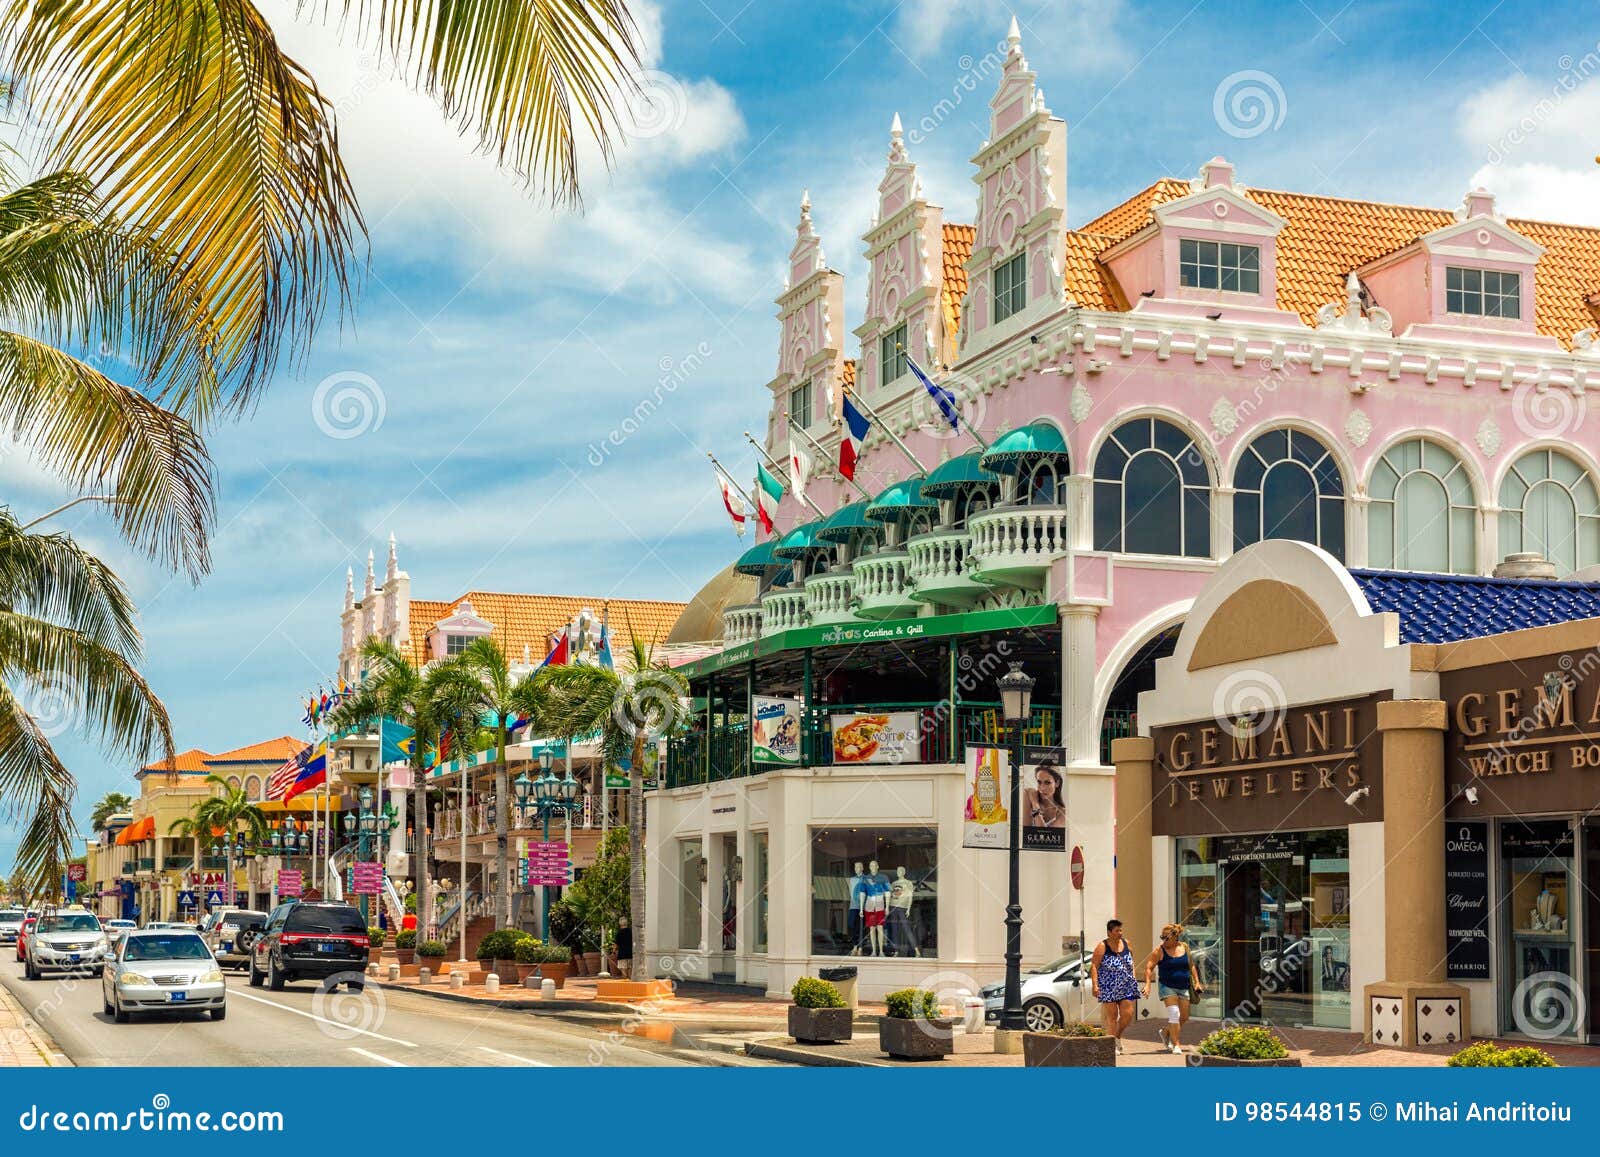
(1090, 283)
(267, 751)
(1327, 237)
(529, 620)
(847, 375)
(193, 760)
(957, 248)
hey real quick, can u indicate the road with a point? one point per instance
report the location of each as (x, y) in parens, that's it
(303, 1026)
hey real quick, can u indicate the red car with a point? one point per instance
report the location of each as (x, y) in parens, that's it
(22, 937)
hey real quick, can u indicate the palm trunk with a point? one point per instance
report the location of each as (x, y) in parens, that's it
(636, 912)
(502, 827)
(419, 841)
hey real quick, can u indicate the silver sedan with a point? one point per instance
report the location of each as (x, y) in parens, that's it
(162, 971)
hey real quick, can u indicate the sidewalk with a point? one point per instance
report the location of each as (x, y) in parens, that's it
(23, 1044)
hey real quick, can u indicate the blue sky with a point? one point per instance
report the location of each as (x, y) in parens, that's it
(498, 340)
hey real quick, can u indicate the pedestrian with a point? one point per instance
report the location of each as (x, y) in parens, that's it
(1112, 980)
(624, 948)
(1177, 982)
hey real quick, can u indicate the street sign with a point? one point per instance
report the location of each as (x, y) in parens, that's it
(549, 864)
(213, 897)
(366, 878)
(77, 873)
(186, 899)
(1077, 867)
(289, 882)
(618, 779)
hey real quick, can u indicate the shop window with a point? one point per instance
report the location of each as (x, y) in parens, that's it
(1287, 485)
(1200, 914)
(690, 866)
(1539, 983)
(1152, 492)
(759, 879)
(1422, 513)
(728, 910)
(874, 892)
(1548, 504)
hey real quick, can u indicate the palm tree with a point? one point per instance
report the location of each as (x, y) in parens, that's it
(230, 810)
(501, 701)
(629, 708)
(68, 653)
(112, 803)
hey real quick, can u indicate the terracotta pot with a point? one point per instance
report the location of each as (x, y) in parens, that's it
(591, 963)
(506, 970)
(556, 972)
(374, 955)
(431, 963)
(577, 964)
(524, 971)
(1049, 1051)
(406, 955)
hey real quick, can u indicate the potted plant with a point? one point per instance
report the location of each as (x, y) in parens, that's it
(430, 954)
(565, 925)
(818, 1014)
(1484, 1054)
(914, 1030)
(1242, 1047)
(550, 961)
(1077, 1044)
(589, 938)
(375, 939)
(405, 945)
(498, 953)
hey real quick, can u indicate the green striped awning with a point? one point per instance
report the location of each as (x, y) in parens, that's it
(948, 478)
(756, 560)
(903, 498)
(1023, 446)
(839, 525)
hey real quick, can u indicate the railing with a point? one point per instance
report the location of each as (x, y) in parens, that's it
(883, 585)
(213, 863)
(730, 752)
(450, 923)
(1018, 543)
(830, 598)
(783, 610)
(741, 624)
(1119, 723)
(176, 863)
(940, 569)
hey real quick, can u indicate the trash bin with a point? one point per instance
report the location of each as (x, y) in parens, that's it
(844, 979)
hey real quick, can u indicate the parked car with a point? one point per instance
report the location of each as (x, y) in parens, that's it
(116, 930)
(229, 936)
(10, 924)
(165, 970)
(68, 940)
(1049, 994)
(22, 937)
(315, 940)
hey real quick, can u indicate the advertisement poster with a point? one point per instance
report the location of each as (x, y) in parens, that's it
(775, 732)
(1466, 900)
(988, 787)
(1044, 799)
(889, 737)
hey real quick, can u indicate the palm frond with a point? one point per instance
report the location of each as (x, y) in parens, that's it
(49, 576)
(37, 788)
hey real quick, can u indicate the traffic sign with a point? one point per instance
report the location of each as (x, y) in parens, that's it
(186, 899)
(1077, 867)
(213, 897)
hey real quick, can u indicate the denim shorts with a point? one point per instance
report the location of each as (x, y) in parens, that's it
(1165, 992)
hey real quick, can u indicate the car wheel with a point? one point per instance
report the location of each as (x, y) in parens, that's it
(255, 977)
(1041, 1014)
(275, 978)
(356, 985)
(118, 1013)
(219, 1013)
(105, 1005)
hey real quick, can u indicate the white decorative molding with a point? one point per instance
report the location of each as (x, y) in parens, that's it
(1376, 319)
(1081, 403)
(1488, 436)
(1224, 418)
(1358, 428)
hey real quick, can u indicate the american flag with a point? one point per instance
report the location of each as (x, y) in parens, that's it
(283, 777)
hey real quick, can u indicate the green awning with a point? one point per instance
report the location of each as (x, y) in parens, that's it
(839, 525)
(756, 560)
(799, 540)
(1023, 446)
(903, 498)
(958, 473)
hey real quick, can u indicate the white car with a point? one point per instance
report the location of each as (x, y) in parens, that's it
(68, 940)
(10, 924)
(1050, 994)
(162, 971)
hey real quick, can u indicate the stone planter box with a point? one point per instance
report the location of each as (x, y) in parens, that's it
(917, 1040)
(1043, 1050)
(1202, 1061)
(506, 970)
(817, 1026)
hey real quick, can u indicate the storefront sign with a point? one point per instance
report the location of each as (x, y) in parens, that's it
(988, 788)
(549, 864)
(77, 872)
(775, 732)
(1044, 801)
(884, 737)
(1524, 736)
(1305, 767)
(1466, 884)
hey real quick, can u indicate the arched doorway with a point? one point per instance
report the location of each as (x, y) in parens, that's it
(1138, 674)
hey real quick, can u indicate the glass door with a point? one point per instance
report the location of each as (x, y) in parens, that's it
(1591, 922)
(1539, 997)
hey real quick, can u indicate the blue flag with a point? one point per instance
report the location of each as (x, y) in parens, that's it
(943, 398)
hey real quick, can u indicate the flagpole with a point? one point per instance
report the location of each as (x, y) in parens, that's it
(884, 426)
(817, 446)
(801, 494)
(728, 478)
(929, 385)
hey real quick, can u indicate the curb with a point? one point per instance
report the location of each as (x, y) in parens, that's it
(52, 1053)
(513, 1005)
(800, 1056)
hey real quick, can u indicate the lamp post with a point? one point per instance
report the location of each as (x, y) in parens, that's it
(365, 826)
(1016, 705)
(552, 795)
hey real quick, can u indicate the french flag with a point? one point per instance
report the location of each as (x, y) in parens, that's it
(854, 433)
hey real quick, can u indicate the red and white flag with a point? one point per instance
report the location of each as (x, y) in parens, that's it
(279, 781)
(799, 469)
(733, 504)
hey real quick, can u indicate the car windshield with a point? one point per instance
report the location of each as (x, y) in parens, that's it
(119, 924)
(176, 946)
(11, 916)
(74, 922)
(245, 919)
(1054, 966)
(339, 921)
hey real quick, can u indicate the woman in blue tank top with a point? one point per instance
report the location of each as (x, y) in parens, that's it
(1178, 984)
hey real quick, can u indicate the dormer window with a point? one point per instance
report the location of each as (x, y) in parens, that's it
(1482, 292)
(800, 405)
(1219, 265)
(455, 644)
(892, 353)
(1010, 286)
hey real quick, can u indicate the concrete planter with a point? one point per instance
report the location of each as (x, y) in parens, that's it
(917, 1040)
(816, 1026)
(506, 970)
(1043, 1050)
(1202, 1061)
(591, 963)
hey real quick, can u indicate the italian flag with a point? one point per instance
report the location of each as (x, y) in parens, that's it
(769, 492)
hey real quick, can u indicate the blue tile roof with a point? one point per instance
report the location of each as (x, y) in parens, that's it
(1439, 608)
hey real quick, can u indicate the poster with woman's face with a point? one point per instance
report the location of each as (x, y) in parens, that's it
(1044, 799)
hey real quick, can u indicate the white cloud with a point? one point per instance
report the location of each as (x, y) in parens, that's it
(1537, 142)
(1082, 33)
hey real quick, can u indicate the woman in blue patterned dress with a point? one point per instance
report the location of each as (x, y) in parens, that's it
(1115, 985)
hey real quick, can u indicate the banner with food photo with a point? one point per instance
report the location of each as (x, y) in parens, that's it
(885, 737)
(988, 787)
(775, 732)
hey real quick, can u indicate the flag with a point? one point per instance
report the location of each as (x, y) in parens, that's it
(943, 398)
(769, 492)
(278, 782)
(799, 468)
(558, 653)
(307, 718)
(312, 770)
(733, 504)
(854, 433)
(604, 654)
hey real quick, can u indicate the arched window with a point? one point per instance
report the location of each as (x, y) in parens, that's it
(1287, 485)
(973, 500)
(1549, 504)
(921, 523)
(1043, 486)
(1152, 494)
(252, 787)
(1422, 512)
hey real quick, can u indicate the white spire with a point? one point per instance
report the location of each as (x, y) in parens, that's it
(1352, 295)
(393, 567)
(371, 585)
(897, 144)
(349, 587)
(1014, 36)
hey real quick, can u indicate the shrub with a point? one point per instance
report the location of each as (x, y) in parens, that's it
(501, 944)
(434, 948)
(809, 992)
(530, 951)
(1485, 1054)
(565, 924)
(406, 939)
(1077, 1028)
(1244, 1044)
(912, 1004)
(411, 903)
(375, 936)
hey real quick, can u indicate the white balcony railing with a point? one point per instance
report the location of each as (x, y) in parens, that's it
(940, 570)
(741, 624)
(830, 598)
(884, 589)
(783, 610)
(1015, 545)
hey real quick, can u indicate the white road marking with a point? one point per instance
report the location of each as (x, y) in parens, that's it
(515, 1057)
(324, 1020)
(382, 1060)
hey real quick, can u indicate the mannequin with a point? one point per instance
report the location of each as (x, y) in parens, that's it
(858, 897)
(875, 906)
(901, 893)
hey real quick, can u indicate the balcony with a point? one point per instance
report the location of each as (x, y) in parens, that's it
(1015, 545)
(741, 624)
(883, 586)
(146, 864)
(940, 569)
(783, 609)
(830, 598)
(129, 867)
(176, 863)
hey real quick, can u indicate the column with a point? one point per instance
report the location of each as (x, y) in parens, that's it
(1355, 529)
(1222, 520)
(1080, 722)
(1080, 505)
(1135, 760)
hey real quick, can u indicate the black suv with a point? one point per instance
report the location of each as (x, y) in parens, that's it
(310, 940)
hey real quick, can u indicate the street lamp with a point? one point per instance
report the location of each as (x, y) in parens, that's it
(1016, 705)
(552, 795)
(365, 827)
